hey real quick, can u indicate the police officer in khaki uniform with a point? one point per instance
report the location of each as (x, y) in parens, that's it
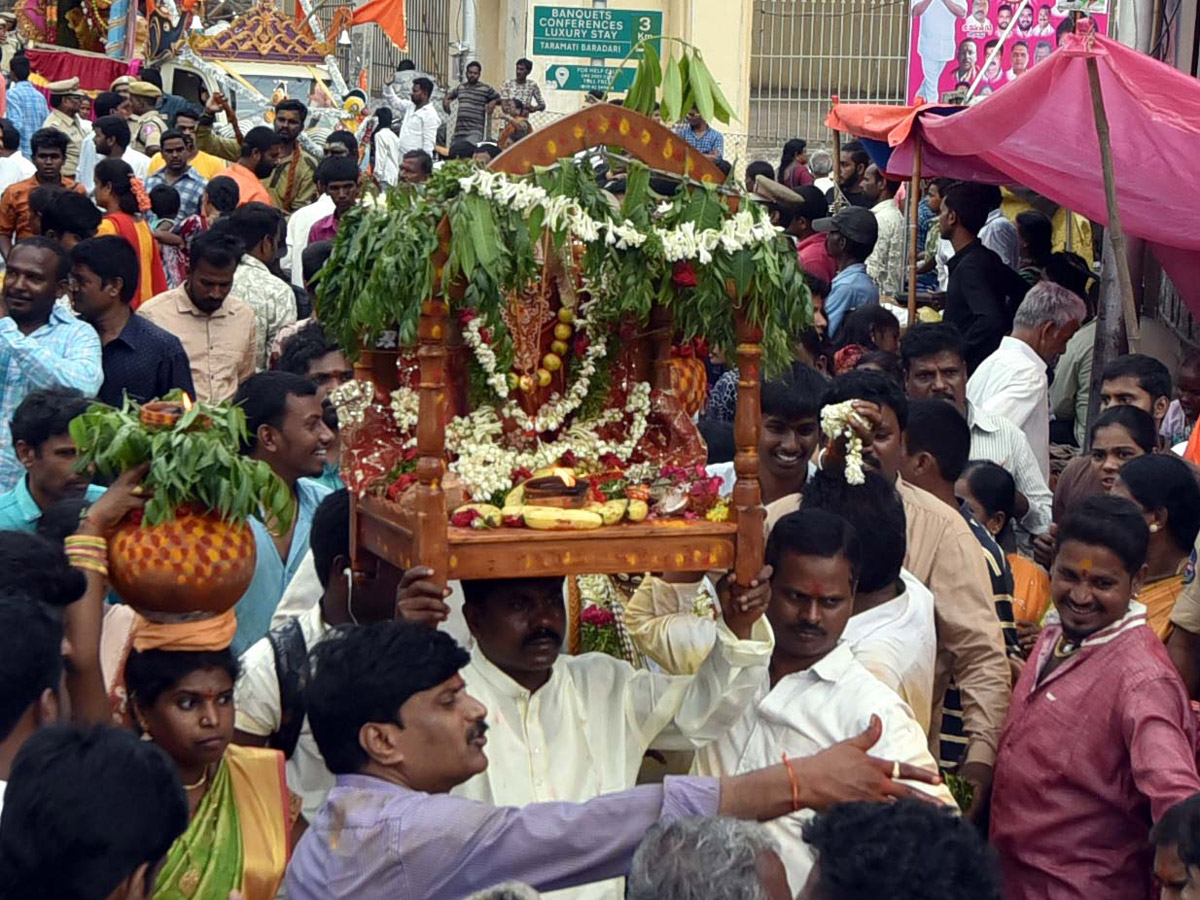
(121, 85)
(65, 100)
(146, 125)
(10, 41)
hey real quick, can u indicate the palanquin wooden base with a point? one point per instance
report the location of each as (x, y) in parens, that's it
(383, 529)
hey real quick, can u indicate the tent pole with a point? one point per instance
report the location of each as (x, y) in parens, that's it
(914, 201)
(1117, 233)
(839, 199)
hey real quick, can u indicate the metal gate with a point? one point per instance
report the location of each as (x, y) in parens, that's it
(803, 52)
(428, 44)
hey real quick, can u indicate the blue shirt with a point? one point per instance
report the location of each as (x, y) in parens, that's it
(27, 110)
(852, 287)
(64, 352)
(190, 187)
(330, 477)
(272, 575)
(20, 512)
(712, 141)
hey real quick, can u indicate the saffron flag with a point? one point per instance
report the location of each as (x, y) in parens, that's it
(389, 15)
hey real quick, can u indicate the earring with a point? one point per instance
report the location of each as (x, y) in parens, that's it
(1154, 526)
(350, 594)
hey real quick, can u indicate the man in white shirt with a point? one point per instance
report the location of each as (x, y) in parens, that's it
(570, 728)
(418, 130)
(271, 713)
(13, 166)
(387, 149)
(1012, 381)
(891, 629)
(299, 224)
(998, 233)
(935, 368)
(886, 262)
(816, 692)
(110, 137)
(935, 43)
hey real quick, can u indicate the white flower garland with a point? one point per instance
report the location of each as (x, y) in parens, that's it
(747, 229)
(485, 355)
(835, 423)
(485, 465)
(554, 413)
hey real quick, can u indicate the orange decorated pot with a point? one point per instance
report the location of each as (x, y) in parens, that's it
(194, 563)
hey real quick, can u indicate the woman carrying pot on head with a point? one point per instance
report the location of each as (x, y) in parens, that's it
(180, 680)
(125, 204)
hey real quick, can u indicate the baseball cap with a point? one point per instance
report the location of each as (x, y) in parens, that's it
(853, 222)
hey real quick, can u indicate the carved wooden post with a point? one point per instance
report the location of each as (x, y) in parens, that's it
(660, 342)
(747, 492)
(430, 543)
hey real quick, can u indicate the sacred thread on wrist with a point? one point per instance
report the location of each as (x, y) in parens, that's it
(787, 764)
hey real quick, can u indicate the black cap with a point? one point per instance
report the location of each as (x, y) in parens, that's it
(853, 222)
(813, 205)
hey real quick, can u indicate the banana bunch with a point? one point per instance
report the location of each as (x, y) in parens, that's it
(686, 82)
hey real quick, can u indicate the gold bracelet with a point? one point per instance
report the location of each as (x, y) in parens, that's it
(90, 565)
(85, 540)
(87, 553)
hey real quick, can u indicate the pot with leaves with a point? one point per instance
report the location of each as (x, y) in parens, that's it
(191, 551)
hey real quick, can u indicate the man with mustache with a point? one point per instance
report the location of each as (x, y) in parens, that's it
(944, 556)
(816, 693)
(935, 367)
(41, 344)
(394, 722)
(574, 727)
(1103, 712)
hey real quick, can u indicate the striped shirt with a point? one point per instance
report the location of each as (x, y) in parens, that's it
(953, 736)
(473, 100)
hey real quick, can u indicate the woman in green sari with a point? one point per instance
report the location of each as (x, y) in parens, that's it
(238, 803)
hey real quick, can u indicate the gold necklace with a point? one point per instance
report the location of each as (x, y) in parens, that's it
(1064, 648)
(199, 784)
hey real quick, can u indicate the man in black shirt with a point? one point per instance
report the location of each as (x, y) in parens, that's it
(983, 293)
(140, 359)
(852, 165)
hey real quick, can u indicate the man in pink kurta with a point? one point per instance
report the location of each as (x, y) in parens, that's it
(1094, 752)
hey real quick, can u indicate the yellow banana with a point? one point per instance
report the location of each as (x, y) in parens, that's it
(551, 518)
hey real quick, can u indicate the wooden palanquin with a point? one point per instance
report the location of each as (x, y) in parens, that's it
(423, 535)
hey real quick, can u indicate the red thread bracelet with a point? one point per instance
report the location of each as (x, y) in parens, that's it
(795, 784)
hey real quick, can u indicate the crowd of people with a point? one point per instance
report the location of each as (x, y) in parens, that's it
(969, 673)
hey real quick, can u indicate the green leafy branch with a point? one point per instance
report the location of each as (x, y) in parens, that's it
(685, 82)
(194, 463)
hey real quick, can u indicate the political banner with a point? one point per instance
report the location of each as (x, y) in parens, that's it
(952, 41)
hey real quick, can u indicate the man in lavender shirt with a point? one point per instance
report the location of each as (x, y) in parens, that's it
(390, 715)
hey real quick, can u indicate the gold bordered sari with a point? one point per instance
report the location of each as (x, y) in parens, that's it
(238, 840)
(1159, 599)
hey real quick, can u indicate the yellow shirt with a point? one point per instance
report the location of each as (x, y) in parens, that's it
(1081, 229)
(206, 164)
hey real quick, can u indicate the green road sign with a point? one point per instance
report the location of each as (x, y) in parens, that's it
(589, 78)
(592, 33)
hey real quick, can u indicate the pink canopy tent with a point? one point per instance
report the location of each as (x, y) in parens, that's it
(1040, 132)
